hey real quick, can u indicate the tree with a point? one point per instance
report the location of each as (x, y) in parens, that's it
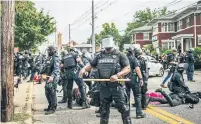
(108, 29)
(31, 27)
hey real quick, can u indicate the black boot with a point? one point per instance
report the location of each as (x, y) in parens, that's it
(139, 113)
(104, 121)
(47, 109)
(167, 97)
(127, 120)
(70, 105)
(51, 111)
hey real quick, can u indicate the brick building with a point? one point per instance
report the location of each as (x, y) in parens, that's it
(170, 30)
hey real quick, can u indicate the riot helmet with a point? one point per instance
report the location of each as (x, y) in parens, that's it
(180, 68)
(86, 55)
(63, 53)
(51, 50)
(137, 50)
(190, 50)
(108, 42)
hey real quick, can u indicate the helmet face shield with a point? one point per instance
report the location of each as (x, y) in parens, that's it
(108, 42)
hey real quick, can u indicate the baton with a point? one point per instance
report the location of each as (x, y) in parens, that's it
(104, 80)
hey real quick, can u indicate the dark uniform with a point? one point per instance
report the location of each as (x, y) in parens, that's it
(128, 84)
(52, 69)
(181, 93)
(19, 70)
(71, 74)
(37, 66)
(31, 63)
(137, 88)
(62, 80)
(190, 70)
(109, 64)
(85, 61)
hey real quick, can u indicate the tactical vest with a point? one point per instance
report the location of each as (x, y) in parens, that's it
(69, 61)
(47, 67)
(143, 64)
(108, 65)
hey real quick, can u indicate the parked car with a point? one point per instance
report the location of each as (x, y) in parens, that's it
(155, 68)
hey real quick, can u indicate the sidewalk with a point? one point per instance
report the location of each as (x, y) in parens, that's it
(23, 104)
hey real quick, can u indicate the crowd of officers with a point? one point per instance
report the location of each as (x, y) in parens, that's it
(111, 64)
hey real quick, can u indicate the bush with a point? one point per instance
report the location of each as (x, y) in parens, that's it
(167, 51)
(197, 56)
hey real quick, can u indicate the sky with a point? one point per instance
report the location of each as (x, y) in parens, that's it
(120, 12)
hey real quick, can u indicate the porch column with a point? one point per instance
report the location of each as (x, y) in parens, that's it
(168, 45)
(175, 43)
(182, 44)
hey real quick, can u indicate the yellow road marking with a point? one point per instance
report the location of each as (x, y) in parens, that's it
(167, 114)
(161, 117)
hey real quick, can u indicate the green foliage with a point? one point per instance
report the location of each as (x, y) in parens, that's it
(107, 29)
(154, 52)
(31, 27)
(167, 51)
(197, 54)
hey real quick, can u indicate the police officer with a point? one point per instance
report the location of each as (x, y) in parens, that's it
(86, 59)
(52, 70)
(70, 63)
(111, 64)
(62, 80)
(139, 81)
(180, 92)
(37, 66)
(20, 58)
(31, 63)
(26, 65)
(171, 57)
(190, 70)
(130, 56)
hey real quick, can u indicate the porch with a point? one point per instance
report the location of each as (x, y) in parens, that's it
(186, 41)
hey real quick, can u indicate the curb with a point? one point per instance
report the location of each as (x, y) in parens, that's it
(29, 104)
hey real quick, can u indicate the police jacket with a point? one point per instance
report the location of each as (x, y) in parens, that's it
(52, 66)
(178, 84)
(109, 64)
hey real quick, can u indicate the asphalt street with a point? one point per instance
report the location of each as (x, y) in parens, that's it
(156, 114)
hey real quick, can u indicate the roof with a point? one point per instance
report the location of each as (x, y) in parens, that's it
(173, 16)
(82, 45)
(143, 28)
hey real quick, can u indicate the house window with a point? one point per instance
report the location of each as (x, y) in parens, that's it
(168, 45)
(180, 24)
(199, 40)
(188, 22)
(167, 27)
(155, 28)
(170, 26)
(146, 36)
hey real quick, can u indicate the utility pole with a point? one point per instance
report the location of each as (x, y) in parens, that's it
(93, 35)
(69, 35)
(7, 50)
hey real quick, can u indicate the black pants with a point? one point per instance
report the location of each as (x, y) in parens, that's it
(107, 95)
(50, 94)
(71, 76)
